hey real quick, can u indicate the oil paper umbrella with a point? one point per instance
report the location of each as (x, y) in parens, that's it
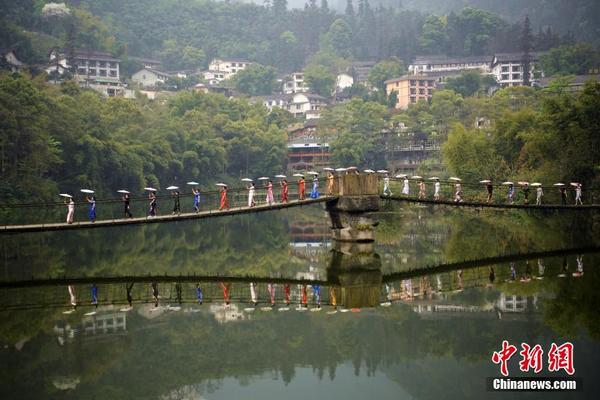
(263, 178)
(434, 178)
(192, 183)
(123, 191)
(369, 171)
(453, 178)
(416, 177)
(485, 181)
(87, 191)
(221, 184)
(328, 169)
(382, 171)
(280, 176)
(173, 188)
(246, 180)
(507, 183)
(298, 175)
(559, 184)
(150, 189)
(536, 184)
(400, 176)
(65, 195)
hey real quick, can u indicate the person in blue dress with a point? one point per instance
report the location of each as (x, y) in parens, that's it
(317, 292)
(199, 295)
(95, 295)
(196, 193)
(315, 189)
(92, 212)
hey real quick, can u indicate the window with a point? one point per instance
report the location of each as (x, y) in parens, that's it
(413, 91)
(102, 64)
(516, 68)
(430, 83)
(413, 100)
(504, 77)
(102, 72)
(112, 73)
(421, 91)
(421, 83)
(430, 92)
(92, 72)
(297, 106)
(81, 71)
(505, 69)
(413, 82)
(516, 76)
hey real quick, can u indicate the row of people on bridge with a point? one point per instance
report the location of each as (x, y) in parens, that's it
(224, 203)
(489, 187)
(268, 186)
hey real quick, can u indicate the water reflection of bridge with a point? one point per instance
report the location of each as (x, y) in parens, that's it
(425, 287)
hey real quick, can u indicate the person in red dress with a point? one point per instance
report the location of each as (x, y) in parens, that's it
(286, 290)
(301, 188)
(225, 287)
(224, 199)
(304, 300)
(284, 191)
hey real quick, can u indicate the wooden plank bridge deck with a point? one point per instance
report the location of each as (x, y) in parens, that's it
(159, 218)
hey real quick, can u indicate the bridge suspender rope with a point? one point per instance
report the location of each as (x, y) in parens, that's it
(492, 205)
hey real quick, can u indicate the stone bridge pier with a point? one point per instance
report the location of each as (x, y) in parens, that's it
(350, 212)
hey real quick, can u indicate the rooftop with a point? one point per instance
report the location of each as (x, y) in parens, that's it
(442, 59)
(505, 57)
(407, 77)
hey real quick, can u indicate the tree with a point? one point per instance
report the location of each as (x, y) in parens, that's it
(434, 38)
(320, 79)
(255, 80)
(384, 70)
(466, 84)
(570, 60)
(526, 47)
(339, 38)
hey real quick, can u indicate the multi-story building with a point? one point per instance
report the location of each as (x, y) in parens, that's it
(221, 70)
(96, 70)
(410, 89)
(507, 68)
(425, 64)
(294, 83)
(308, 105)
(306, 150)
(150, 77)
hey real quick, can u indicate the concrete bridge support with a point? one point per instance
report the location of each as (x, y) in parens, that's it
(357, 269)
(350, 211)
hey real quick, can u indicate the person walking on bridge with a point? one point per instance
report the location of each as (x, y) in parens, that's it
(314, 193)
(128, 288)
(225, 287)
(421, 190)
(284, 191)
(70, 209)
(330, 179)
(405, 186)
(578, 195)
(224, 200)
(176, 205)
(196, 193)
(92, 211)
(270, 198)
(301, 188)
(95, 295)
(490, 191)
(154, 286)
(525, 191)
(386, 186)
(539, 193)
(126, 207)
(563, 195)
(457, 192)
(251, 189)
(199, 295)
(511, 194)
(152, 210)
(286, 293)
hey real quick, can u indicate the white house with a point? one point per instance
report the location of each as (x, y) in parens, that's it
(343, 81)
(299, 104)
(507, 68)
(294, 83)
(220, 70)
(10, 59)
(150, 77)
(92, 69)
(426, 64)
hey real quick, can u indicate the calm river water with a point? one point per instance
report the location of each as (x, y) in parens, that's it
(420, 319)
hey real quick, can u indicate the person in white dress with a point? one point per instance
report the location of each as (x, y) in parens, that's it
(538, 196)
(578, 195)
(251, 188)
(253, 295)
(436, 192)
(70, 209)
(405, 187)
(386, 186)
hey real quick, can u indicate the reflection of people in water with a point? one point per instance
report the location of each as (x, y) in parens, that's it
(513, 271)
(225, 287)
(271, 290)
(253, 296)
(304, 296)
(332, 297)
(286, 291)
(199, 295)
(72, 296)
(459, 277)
(155, 293)
(128, 287)
(178, 292)
(579, 271)
(541, 268)
(317, 293)
(438, 280)
(492, 276)
(95, 295)
(527, 277)
(564, 269)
